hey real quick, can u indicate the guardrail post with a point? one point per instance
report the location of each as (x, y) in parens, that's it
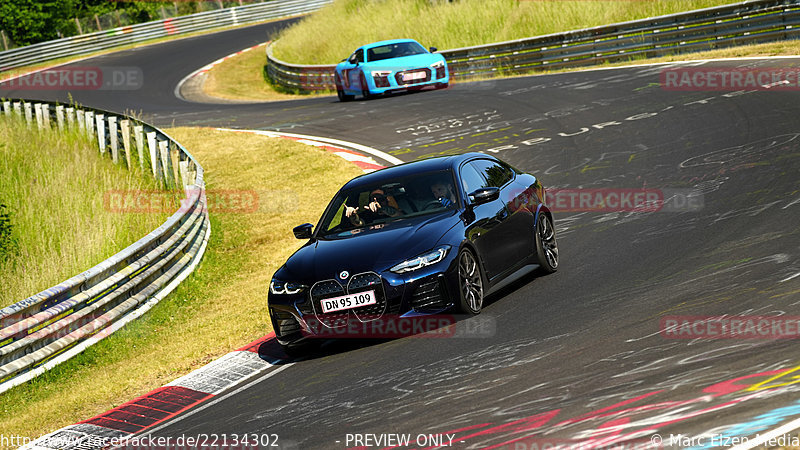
(138, 133)
(60, 117)
(125, 126)
(174, 159)
(184, 166)
(81, 120)
(101, 132)
(151, 143)
(164, 151)
(7, 108)
(70, 117)
(46, 115)
(90, 123)
(113, 139)
(37, 108)
(28, 113)
(18, 109)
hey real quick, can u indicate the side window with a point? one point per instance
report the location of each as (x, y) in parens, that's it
(496, 174)
(360, 56)
(471, 180)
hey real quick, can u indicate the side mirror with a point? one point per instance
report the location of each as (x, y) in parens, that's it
(303, 231)
(434, 49)
(484, 195)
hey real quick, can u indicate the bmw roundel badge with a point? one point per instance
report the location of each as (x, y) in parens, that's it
(344, 274)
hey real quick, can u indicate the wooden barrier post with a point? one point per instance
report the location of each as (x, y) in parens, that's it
(125, 126)
(163, 147)
(37, 109)
(113, 139)
(151, 143)
(60, 117)
(81, 120)
(28, 114)
(138, 133)
(46, 115)
(101, 132)
(90, 123)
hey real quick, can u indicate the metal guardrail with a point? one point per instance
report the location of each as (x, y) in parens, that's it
(705, 29)
(102, 40)
(58, 323)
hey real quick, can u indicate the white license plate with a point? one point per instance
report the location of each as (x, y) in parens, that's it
(348, 301)
(413, 76)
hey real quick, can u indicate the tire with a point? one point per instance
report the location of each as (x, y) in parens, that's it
(365, 88)
(470, 283)
(546, 245)
(340, 91)
(442, 85)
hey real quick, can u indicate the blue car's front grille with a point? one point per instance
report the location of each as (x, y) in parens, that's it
(369, 281)
(362, 282)
(327, 289)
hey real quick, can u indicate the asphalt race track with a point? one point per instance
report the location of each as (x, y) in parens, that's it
(577, 356)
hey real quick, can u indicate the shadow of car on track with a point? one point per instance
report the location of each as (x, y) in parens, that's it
(399, 93)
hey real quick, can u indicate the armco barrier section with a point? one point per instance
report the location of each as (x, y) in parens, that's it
(58, 323)
(102, 40)
(705, 29)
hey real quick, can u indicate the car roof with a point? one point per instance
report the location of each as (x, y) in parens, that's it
(414, 167)
(390, 41)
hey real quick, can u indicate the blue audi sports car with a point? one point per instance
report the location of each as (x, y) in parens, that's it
(388, 66)
(417, 239)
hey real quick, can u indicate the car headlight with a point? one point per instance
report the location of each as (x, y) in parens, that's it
(425, 259)
(437, 64)
(282, 287)
(381, 73)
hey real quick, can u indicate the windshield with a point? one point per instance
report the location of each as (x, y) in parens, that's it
(372, 206)
(394, 51)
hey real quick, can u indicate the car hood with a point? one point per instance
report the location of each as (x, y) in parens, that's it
(370, 250)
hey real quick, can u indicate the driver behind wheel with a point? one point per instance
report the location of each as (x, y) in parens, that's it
(444, 193)
(380, 205)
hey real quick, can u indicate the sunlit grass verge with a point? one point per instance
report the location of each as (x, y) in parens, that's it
(331, 34)
(53, 185)
(242, 77)
(220, 307)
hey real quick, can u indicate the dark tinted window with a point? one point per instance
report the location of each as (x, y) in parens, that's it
(360, 55)
(471, 180)
(373, 206)
(496, 174)
(397, 50)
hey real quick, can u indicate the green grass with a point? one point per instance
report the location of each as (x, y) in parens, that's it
(331, 34)
(220, 307)
(241, 77)
(53, 186)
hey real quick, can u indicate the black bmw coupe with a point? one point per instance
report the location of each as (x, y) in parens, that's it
(420, 238)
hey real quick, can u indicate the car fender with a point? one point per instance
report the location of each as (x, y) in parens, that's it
(542, 209)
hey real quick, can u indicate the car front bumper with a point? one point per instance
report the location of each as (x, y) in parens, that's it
(400, 298)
